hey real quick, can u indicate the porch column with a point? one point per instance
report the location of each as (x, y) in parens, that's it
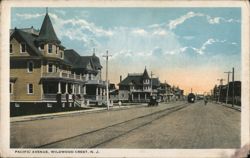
(59, 87)
(73, 88)
(132, 96)
(101, 93)
(42, 92)
(66, 88)
(139, 96)
(96, 93)
(79, 89)
(84, 90)
(145, 96)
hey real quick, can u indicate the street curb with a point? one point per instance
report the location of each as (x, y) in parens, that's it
(63, 114)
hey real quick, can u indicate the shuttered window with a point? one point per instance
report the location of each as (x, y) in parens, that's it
(30, 88)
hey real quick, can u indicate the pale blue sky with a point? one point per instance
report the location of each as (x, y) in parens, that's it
(163, 39)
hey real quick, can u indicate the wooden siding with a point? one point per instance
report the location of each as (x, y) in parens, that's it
(18, 69)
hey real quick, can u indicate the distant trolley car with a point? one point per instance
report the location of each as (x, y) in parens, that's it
(191, 98)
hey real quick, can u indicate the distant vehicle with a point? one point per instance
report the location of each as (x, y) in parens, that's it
(153, 101)
(200, 97)
(191, 98)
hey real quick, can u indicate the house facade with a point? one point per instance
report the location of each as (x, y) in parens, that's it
(221, 92)
(43, 73)
(139, 87)
(94, 88)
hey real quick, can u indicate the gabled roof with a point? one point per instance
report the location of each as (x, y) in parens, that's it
(165, 84)
(136, 78)
(81, 61)
(96, 62)
(30, 30)
(132, 79)
(71, 56)
(145, 74)
(47, 32)
(156, 82)
(28, 38)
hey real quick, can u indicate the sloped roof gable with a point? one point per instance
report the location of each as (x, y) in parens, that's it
(28, 39)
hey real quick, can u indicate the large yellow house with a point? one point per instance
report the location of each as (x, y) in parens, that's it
(44, 74)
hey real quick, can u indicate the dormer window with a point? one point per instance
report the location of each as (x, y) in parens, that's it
(50, 48)
(23, 47)
(11, 49)
(42, 47)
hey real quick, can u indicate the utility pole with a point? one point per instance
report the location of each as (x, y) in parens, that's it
(151, 82)
(228, 75)
(107, 82)
(233, 86)
(221, 83)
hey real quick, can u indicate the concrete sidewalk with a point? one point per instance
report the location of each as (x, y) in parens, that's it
(61, 114)
(235, 107)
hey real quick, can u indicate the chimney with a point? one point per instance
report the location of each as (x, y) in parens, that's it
(120, 78)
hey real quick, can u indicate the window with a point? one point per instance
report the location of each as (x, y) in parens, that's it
(11, 49)
(42, 47)
(30, 88)
(57, 68)
(11, 88)
(50, 48)
(23, 47)
(89, 76)
(30, 66)
(61, 54)
(50, 67)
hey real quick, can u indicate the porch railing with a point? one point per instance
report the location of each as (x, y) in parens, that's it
(63, 75)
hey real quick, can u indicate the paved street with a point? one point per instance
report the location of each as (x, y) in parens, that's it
(198, 126)
(175, 125)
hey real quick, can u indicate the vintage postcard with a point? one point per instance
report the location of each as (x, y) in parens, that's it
(124, 78)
